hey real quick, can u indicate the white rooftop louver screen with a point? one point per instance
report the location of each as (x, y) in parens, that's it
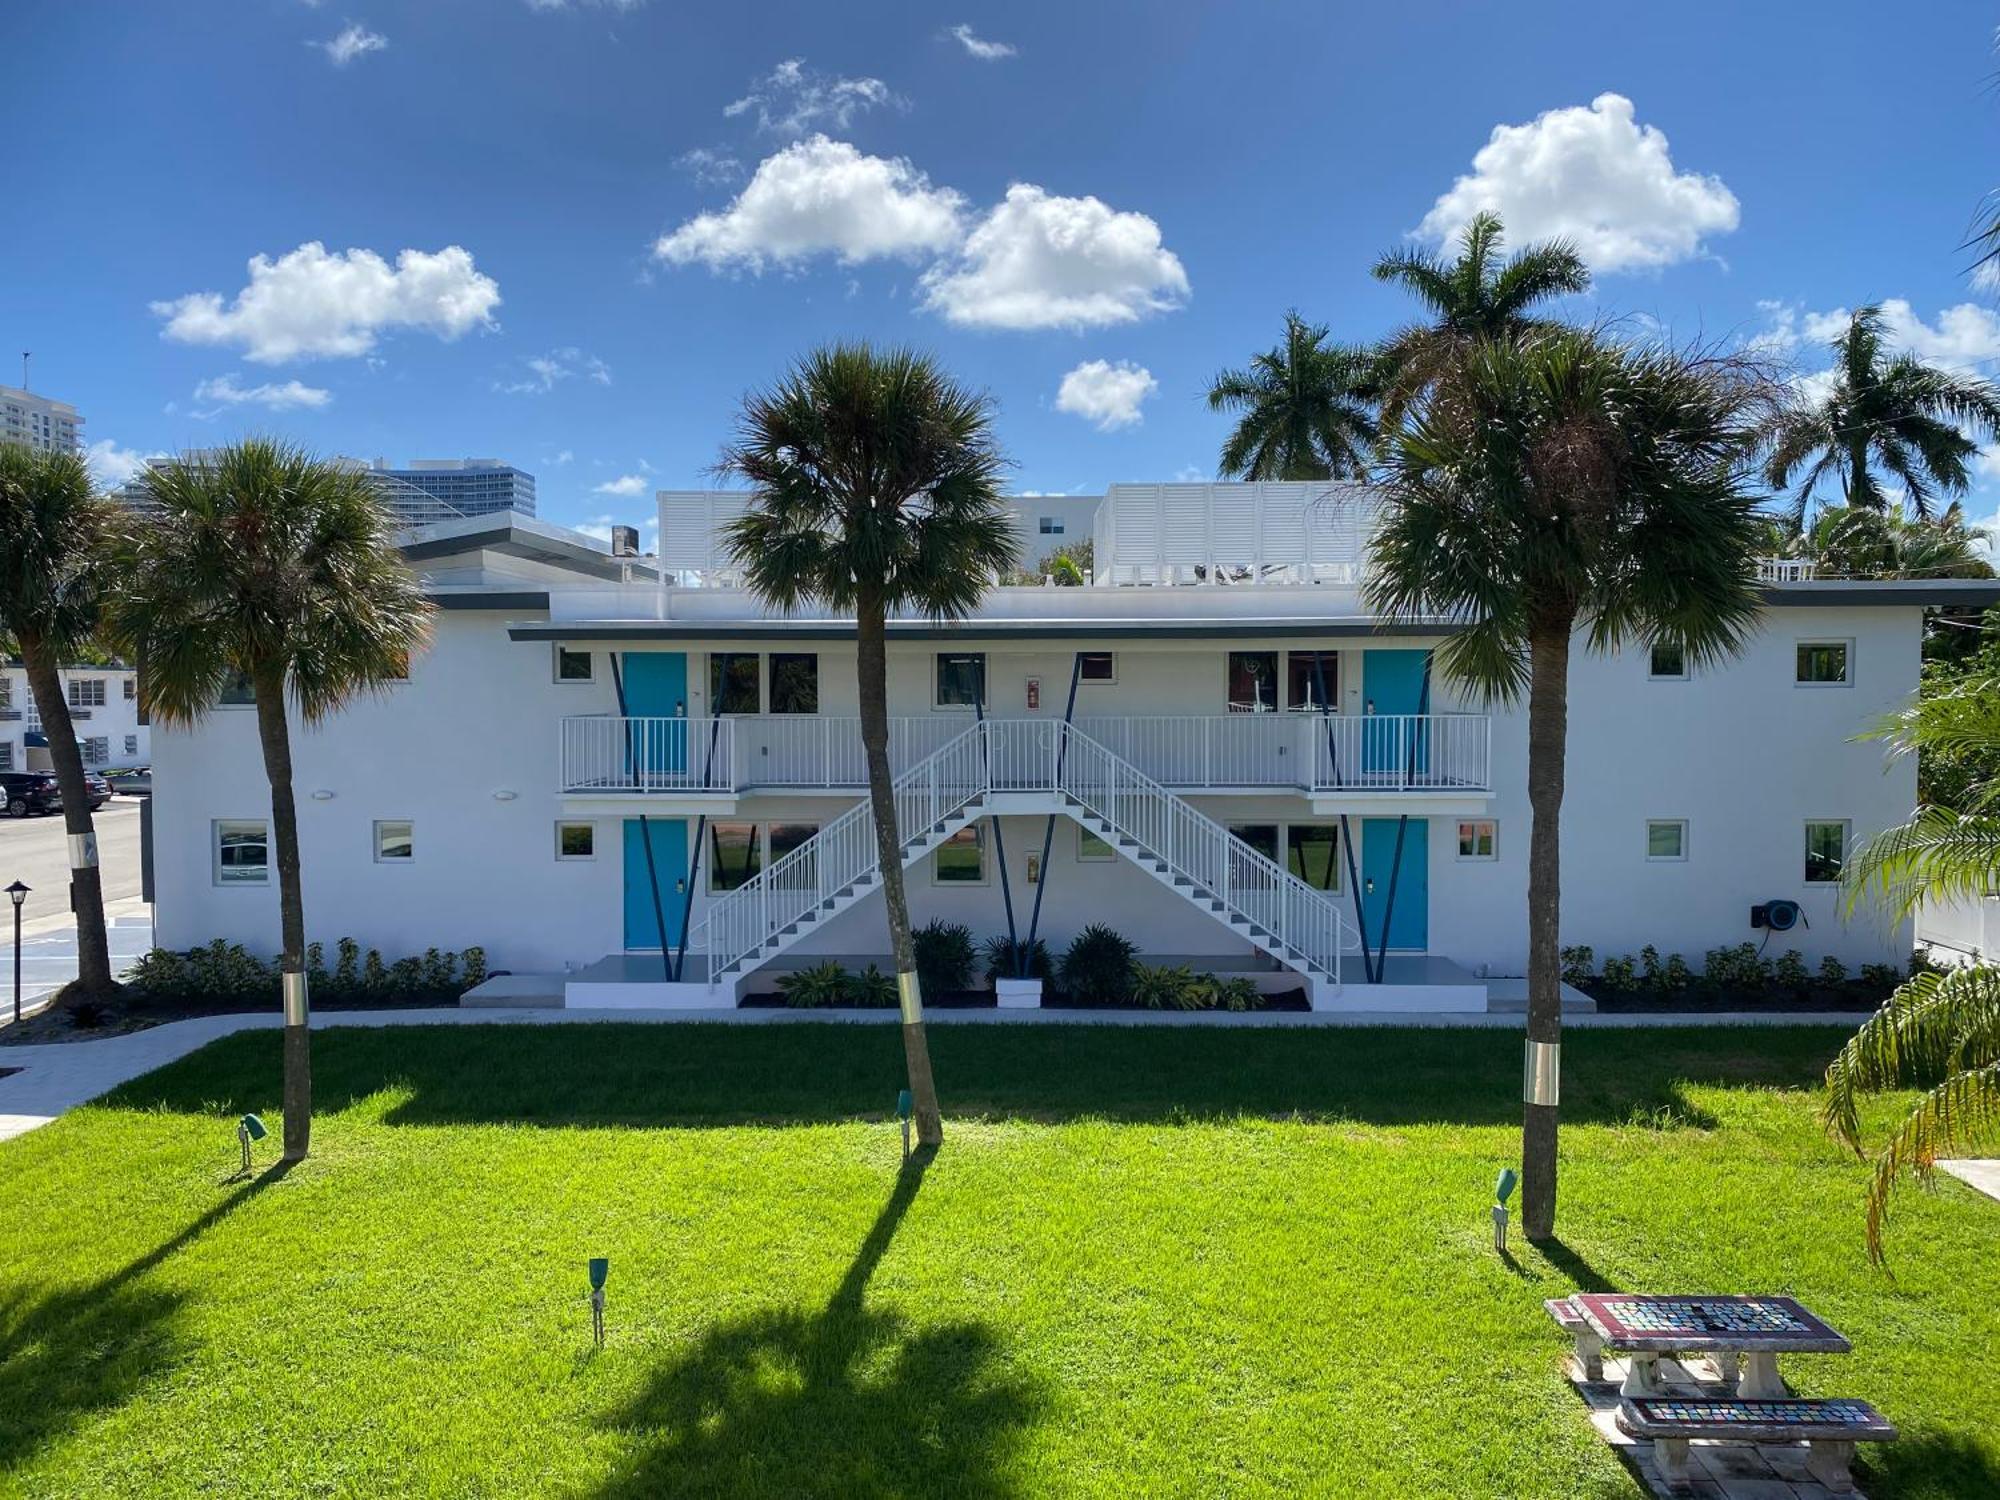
(691, 523)
(1159, 533)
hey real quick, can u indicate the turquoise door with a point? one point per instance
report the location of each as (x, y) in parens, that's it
(1392, 684)
(656, 687)
(668, 871)
(1410, 918)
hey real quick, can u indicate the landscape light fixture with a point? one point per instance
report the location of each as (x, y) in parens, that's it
(600, 1272)
(17, 893)
(905, 1109)
(1503, 1189)
(249, 1129)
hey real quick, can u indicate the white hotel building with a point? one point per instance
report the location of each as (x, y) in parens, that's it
(1212, 747)
(103, 709)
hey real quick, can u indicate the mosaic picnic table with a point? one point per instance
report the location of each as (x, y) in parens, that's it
(1758, 1328)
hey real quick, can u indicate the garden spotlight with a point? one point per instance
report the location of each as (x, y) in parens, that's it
(249, 1129)
(1503, 1189)
(600, 1271)
(905, 1108)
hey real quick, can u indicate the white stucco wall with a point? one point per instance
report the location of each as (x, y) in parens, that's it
(116, 721)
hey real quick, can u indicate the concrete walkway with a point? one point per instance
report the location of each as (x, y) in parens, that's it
(1983, 1175)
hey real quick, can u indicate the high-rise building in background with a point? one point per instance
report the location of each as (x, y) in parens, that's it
(49, 426)
(470, 486)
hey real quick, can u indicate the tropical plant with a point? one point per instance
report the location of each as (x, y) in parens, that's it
(1007, 958)
(944, 956)
(1914, 422)
(1475, 297)
(1851, 541)
(266, 566)
(816, 986)
(1307, 408)
(1097, 967)
(1569, 483)
(876, 489)
(54, 532)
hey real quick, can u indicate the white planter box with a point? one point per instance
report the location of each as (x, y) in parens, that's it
(1018, 994)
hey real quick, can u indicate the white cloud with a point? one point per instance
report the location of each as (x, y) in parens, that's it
(979, 47)
(309, 304)
(1963, 338)
(709, 166)
(112, 466)
(356, 41)
(549, 7)
(1106, 394)
(564, 457)
(624, 484)
(816, 197)
(284, 397)
(1595, 177)
(794, 99)
(1038, 261)
(546, 371)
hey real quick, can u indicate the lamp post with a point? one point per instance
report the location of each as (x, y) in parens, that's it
(17, 893)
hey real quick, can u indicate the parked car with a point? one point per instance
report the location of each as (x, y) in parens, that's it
(26, 792)
(131, 781)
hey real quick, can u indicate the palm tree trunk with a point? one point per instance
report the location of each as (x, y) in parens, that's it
(93, 952)
(873, 671)
(276, 736)
(1548, 731)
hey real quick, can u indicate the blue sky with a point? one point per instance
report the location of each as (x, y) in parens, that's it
(571, 233)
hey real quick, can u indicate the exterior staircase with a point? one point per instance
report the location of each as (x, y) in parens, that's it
(1048, 766)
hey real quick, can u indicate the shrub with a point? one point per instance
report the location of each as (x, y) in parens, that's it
(1238, 993)
(1619, 976)
(229, 973)
(1920, 963)
(162, 974)
(809, 989)
(1160, 987)
(1578, 964)
(1881, 978)
(347, 970)
(1098, 967)
(1832, 970)
(944, 957)
(85, 1015)
(439, 969)
(1790, 971)
(374, 975)
(1675, 975)
(473, 963)
(997, 954)
(1649, 966)
(1737, 969)
(872, 988)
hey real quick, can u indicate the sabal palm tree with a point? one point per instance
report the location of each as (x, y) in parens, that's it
(54, 530)
(1569, 484)
(1899, 415)
(1307, 408)
(876, 483)
(266, 565)
(1939, 1033)
(1474, 296)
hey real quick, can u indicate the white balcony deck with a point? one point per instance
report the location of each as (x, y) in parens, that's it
(1309, 754)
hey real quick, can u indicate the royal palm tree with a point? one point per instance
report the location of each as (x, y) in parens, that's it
(1475, 296)
(1570, 487)
(876, 488)
(1940, 1033)
(53, 536)
(1899, 415)
(1307, 408)
(269, 567)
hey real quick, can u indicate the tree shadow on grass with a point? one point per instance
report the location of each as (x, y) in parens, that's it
(72, 1354)
(848, 1401)
(697, 1076)
(1928, 1463)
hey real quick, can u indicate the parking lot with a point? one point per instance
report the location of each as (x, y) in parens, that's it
(35, 852)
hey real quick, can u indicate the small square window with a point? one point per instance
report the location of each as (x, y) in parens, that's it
(238, 691)
(576, 841)
(242, 852)
(1312, 852)
(961, 859)
(96, 750)
(961, 679)
(573, 666)
(794, 682)
(1311, 674)
(1479, 838)
(1666, 838)
(1667, 663)
(1263, 837)
(734, 857)
(732, 682)
(393, 843)
(6, 755)
(1097, 666)
(131, 744)
(1823, 663)
(1051, 526)
(1826, 852)
(131, 689)
(783, 839)
(1091, 849)
(1253, 682)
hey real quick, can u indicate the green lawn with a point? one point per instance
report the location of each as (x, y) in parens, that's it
(1160, 1262)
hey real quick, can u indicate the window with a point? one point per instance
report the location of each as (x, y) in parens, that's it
(131, 744)
(961, 859)
(794, 682)
(242, 853)
(1826, 852)
(96, 750)
(1667, 663)
(732, 682)
(1092, 849)
(1479, 838)
(1263, 837)
(781, 839)
(393, 843)
(131, 690)
(1253, 682)
(86, 692)
(1305, 671)
(1097, 666)
(238, 691)
(6, 692)
(573, 666)
(1823, 663)
(961, 678)
(576, 841)
(1666, 838)
(1312, 852)
(1051, 526)
(733, 855)
(6, 755)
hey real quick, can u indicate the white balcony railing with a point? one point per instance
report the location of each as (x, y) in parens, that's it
(1291, 752)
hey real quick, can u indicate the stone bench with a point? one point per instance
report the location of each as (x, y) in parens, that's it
(1829, 1429)
(1589, 1346)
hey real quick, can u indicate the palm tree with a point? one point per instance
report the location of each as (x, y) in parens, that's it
(53, 535)
(1473, 297)
(1569, 483)
(1939, 1033)
(1851, 541)
(876, 481)
(1308, 408)
(1901, 415)
(269, 566)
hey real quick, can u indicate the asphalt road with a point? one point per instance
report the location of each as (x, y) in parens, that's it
(36, 852)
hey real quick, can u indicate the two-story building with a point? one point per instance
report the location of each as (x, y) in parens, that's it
(629, 772)
(103, 705)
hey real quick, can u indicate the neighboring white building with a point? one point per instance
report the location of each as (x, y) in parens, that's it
(103, 705)
(39, 423)
(447, 490)
(593, 752)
